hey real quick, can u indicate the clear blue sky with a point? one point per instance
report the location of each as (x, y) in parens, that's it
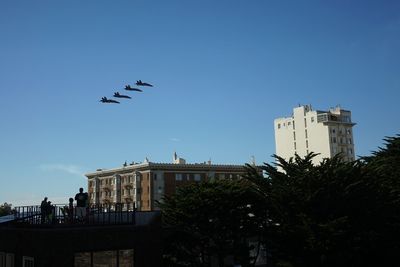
(222, 70)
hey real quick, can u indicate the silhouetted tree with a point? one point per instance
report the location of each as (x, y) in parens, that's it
(5, 209)
(332, 214)
(210, 222)
(385, 162)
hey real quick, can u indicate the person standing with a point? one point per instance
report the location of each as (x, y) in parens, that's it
(43, 210)
(81, 203)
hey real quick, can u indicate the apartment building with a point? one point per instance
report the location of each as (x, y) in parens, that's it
(145, 183)
(325, 132)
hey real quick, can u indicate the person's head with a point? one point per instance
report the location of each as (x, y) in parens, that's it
(71, 200)
(80, 190)
(45, 198)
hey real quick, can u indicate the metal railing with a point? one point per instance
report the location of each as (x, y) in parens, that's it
(60, 214)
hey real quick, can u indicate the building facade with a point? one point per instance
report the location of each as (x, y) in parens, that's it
(147, 182)
(324, 132)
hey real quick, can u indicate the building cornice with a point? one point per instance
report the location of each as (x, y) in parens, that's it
(154, 166)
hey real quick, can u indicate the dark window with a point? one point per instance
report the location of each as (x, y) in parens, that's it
(197, 177)
(28, 261)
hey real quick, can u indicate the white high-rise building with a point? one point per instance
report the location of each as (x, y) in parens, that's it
(324, 132)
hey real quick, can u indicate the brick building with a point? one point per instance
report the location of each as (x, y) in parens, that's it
(145, 183)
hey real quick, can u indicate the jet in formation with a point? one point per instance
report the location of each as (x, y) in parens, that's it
(105, 100)
(117, 94)
(129, 88)
(140, 83)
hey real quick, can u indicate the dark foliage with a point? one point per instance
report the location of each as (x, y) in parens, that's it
(210, 222)
(333, 214)
(5, 209)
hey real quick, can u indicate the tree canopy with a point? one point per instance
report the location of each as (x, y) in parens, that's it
(332, 214)
(210, 222)
(335, 213)
(5, 209)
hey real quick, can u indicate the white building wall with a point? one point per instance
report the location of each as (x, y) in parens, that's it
(303, 133)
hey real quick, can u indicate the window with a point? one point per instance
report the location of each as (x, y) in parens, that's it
(126, 257)
(28, 261)
(279, 125)
(333, 130)
(348, 131)
(178, 177)
(2, 259)
(155, 177)
(350, 151)
(306, 133)
(105, 258)
(9, 260)
(307, 145)
(294, 145)
(312, 119)
(294, 136)
(334, 140)
(82, 259)
(349, 141)
(305, 122)
(289, 123)
(197, 177)
(341, 140)
(293, 125)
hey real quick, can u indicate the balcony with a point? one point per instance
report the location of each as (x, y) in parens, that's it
(107, 187)
(327, 117)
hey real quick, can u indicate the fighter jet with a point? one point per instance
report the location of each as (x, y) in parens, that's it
(140, 83)
(105, 100)
(116, 94)
(129, 88)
